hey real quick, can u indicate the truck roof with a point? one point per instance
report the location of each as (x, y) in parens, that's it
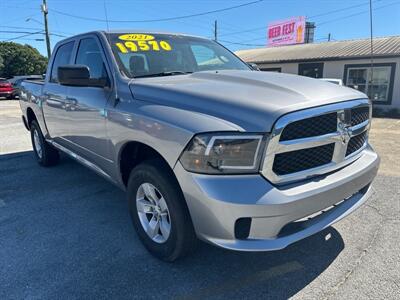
(149, 31)
(129, 31)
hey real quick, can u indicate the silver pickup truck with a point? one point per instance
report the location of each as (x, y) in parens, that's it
(205, 146)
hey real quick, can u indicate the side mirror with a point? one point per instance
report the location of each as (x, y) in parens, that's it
(78, 75)
(253, 66)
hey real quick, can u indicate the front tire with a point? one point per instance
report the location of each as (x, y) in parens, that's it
(45, 154)
(158, 211)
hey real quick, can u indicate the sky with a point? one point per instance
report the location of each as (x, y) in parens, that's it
(238, 28)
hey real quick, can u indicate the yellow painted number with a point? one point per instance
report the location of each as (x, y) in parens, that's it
(165, 46)
(131, 46)
(154, 45)
(121, 48)
(143, 46)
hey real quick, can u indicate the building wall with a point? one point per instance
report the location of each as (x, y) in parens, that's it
(335, 69)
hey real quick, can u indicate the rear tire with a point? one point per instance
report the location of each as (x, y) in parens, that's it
(178, 237)
(45, 154)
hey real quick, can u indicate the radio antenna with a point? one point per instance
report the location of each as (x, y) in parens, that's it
(105, 12)
(116, 98)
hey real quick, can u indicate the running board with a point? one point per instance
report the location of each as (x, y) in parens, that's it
(80, 159)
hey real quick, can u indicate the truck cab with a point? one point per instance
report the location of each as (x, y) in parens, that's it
(204, 145)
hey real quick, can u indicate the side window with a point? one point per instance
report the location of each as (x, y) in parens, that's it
(63, 57)
(89, 54)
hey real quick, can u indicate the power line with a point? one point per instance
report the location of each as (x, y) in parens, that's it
(15, 31)
(243, 31)
(357, 14)
(242, 44)
(195, 23)
(32, 39)
(339, 10)
(310, 17)
(158, 20)
(30, 32)
(30, 28)
(318, 24)
(19, 7)
(17, 19)
(22, 36)
(19, 27)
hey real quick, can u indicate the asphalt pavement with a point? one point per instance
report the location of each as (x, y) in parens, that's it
(65, 233)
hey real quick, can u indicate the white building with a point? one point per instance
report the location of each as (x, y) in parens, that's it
(347, 60)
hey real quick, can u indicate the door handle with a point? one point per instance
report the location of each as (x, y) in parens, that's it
(70, 104)
(71, 101)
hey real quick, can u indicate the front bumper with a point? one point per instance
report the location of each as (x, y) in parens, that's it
(216, 202)
(5, 93)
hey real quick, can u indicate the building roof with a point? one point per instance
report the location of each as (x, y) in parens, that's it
(383, 47)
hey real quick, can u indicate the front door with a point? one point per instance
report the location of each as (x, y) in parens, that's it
(87, 112)
(314, 70)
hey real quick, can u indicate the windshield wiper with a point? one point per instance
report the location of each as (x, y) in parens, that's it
(169, 73)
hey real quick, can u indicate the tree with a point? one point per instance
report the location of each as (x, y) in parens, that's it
(17, 59)
(1, 65)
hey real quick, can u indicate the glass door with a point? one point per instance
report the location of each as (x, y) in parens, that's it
(375, 84)
(378, 88)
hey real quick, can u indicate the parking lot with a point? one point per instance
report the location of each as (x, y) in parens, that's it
(66, 233)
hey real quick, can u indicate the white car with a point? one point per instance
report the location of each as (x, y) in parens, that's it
(333, 80)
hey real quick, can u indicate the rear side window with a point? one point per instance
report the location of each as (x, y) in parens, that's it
(63, 57)
(89, 54)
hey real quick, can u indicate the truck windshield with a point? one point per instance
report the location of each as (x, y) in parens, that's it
(148, 55)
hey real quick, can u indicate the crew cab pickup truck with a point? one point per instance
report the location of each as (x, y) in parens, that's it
(205, 146)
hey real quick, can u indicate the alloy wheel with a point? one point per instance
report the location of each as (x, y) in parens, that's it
(37, 143)
(153, 212)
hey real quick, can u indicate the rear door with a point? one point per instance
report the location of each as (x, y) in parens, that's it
(87, 113)
(55, 96)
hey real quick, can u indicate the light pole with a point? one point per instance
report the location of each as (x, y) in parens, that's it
(46, 27)
(45, 11)
(34, 20)
(47, 35)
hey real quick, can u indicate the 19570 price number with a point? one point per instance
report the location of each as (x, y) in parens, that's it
(135, 46)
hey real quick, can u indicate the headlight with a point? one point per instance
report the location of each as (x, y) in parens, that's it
(224, 153)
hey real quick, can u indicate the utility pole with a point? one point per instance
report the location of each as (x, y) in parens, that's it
(46, 27)
(215, 31)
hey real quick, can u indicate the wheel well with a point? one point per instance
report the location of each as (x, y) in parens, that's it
(30, 115)
(134, 153)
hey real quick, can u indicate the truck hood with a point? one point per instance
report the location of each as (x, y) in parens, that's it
(251, 100)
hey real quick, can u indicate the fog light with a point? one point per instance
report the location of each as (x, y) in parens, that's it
(242, 228)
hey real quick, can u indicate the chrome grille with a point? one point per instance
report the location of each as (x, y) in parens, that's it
(300, 160)
(359, 115)
(319, 125)
(356, 143)
(316, 141)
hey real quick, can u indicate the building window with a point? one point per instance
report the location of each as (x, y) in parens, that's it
(278, 70)
(376, 83)
(313, 70)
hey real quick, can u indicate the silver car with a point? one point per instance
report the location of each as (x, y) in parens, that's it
(205, 146)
